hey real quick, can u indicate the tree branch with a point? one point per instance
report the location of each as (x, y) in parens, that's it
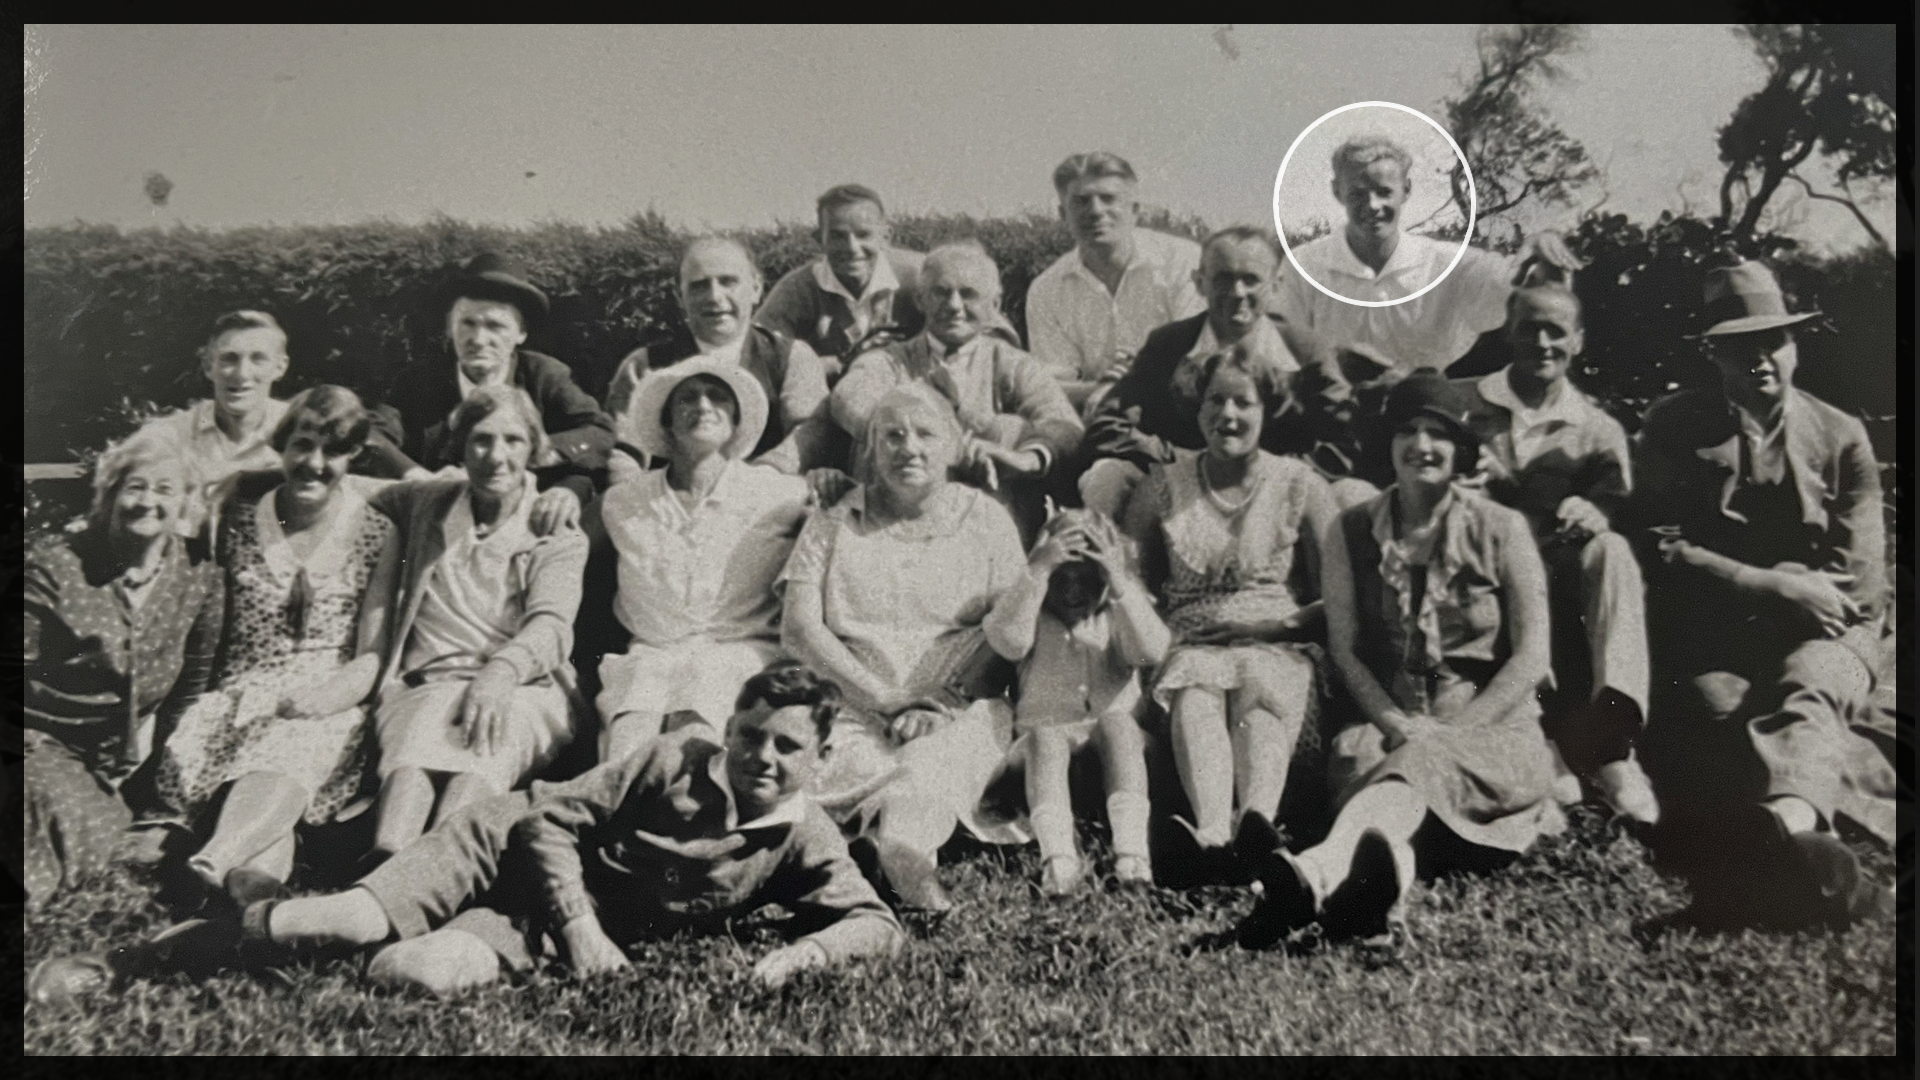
(1849, 204)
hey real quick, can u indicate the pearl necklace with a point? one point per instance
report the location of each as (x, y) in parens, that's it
(1214, 497)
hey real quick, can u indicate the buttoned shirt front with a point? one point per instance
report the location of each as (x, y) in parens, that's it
(874, 306)
(705, 571)
(656, 841)
(1074, 324)
(1075, 672)
(1432, 331)
(1765, 460)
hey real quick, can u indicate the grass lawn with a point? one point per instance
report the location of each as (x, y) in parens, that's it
(1542, 957)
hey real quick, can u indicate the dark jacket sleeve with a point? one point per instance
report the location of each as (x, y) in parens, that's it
(1857, 516)
(1115, 430)
(831, 901)
(576, 426)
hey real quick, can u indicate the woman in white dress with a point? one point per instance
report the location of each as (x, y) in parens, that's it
(700, 543)
(308, 568)
(478, 692)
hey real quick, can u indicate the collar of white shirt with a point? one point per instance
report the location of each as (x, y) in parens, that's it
(1412, 255)
(205, 423)
(468, 386)
(668, 502)
(725, 354)
(1146, 251)
(1263, 340)
(1562, 402)
(883, 279)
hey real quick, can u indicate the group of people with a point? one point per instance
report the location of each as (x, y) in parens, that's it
(839, 568)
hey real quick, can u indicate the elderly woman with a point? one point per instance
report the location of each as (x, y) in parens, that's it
(477, 691)
(700, 543)
(1437, 620)
(1229, 543)
(283, 731)
(885, 594)
(118, 631)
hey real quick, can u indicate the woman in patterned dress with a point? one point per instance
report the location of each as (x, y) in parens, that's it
(886, 594)
(1228, 540)
(478, 693)
(119, 627)
(1437, 620)
(286, 725)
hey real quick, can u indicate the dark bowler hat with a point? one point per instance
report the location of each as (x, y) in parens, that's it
(1744, 298)
(493, 276)
(1428, 393)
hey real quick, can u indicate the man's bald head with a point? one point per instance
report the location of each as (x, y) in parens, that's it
(719, 288)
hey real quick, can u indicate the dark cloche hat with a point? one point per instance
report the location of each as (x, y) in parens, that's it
(493, 276)
(1428, 393)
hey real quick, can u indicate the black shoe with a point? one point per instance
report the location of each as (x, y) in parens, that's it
(1360, 906)
(1286, 905)
(1838, 893)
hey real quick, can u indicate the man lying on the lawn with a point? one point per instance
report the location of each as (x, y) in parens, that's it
(682, 834)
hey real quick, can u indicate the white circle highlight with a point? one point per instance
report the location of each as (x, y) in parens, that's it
(1473, 204)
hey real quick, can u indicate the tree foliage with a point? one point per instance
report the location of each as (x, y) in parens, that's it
(1515, 149)
(1829, 89)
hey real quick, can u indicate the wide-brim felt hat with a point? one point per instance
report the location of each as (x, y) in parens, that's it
(640, 424)
(1745, 298)
(493, 276)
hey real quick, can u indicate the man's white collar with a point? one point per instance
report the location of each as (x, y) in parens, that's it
(883, 279)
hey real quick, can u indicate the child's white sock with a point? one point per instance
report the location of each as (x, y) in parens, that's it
(1053, 827)
(1127, 815)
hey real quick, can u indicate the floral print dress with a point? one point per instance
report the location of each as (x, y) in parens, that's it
(290, 623)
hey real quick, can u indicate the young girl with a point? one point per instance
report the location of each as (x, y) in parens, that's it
(1081, 625)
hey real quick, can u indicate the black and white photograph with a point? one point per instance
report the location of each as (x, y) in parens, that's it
(1225, 539)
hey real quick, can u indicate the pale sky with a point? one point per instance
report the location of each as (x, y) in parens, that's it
(742, 126)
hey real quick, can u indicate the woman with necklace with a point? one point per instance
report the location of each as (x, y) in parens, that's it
(478, 693)
(284, 729)
(886, 594)
(700, 543)
(120, 625)
(1437, 620)
(1228, 541)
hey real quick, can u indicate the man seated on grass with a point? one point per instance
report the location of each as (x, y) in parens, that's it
(689, 832)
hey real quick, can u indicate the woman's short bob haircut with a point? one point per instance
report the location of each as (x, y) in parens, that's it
(1267, 379)
(487, 400)
(335, 413)
(789, 682)
(150, 445)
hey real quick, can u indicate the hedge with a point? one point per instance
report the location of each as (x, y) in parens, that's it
(113, 319)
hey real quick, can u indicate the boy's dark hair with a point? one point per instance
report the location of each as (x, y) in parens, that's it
(789, 682)
(846, 195)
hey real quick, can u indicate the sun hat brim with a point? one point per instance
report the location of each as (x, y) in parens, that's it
(640, 424)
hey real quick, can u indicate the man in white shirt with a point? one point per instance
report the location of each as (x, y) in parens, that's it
(1371, 259)
(231, 431)
(1092, 309)
(1552, 454)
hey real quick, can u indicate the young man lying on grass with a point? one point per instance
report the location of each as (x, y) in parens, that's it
(684, 834)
